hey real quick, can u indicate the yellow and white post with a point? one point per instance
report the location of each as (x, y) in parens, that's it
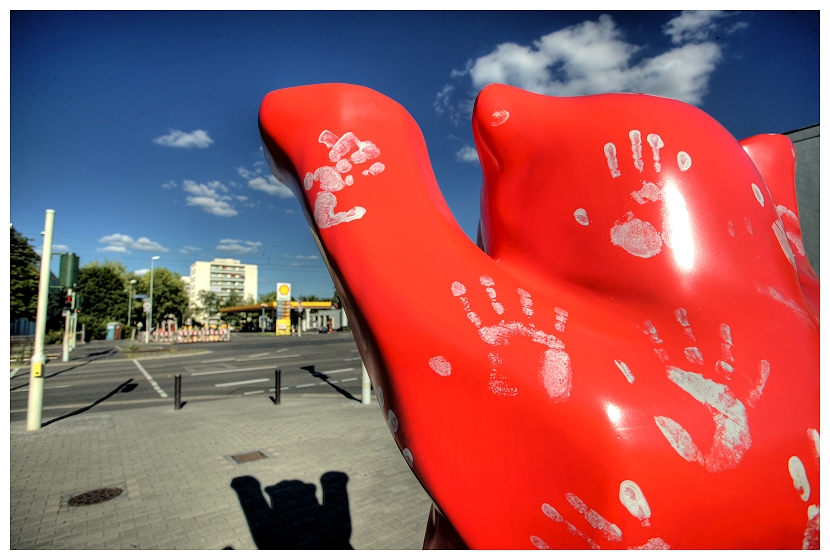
(34, 412)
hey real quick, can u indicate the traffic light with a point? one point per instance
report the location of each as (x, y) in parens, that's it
(79, 302)
(68, 301)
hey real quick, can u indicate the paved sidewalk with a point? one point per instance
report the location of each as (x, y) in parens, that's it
(175, 470)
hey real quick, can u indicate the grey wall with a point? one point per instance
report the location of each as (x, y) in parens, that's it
(806, 142)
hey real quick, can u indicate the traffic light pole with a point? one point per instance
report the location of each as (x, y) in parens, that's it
(34, 412)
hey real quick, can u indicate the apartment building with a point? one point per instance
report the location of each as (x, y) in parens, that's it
(221, 276)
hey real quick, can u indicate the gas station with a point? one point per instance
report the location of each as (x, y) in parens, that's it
(283, 317)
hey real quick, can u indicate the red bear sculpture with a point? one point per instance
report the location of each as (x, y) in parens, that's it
(630, 359)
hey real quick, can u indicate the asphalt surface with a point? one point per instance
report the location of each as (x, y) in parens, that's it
(116, 375)
(228, 470)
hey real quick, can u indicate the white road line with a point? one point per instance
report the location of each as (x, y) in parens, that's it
(218, 360)
(155, 385)
(14, 372)
(305, 385)
(268, 358)
(337, 370)
(271, 390)
(254, 392)
(349, 379)
(230, 370)
(351, 359)
(258, 355)
(282, 349)
(352, 350)
(24, 389)
(241, 382)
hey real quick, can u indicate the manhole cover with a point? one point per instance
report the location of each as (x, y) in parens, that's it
(248, 457)
(96, 496)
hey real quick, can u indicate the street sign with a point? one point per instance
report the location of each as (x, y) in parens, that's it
(146, 307)
(283, 291)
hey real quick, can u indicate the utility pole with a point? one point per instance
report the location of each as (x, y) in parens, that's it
(130, 308)
(34, 412)
(366, 384)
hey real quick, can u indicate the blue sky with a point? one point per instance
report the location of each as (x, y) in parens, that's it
(139, 128)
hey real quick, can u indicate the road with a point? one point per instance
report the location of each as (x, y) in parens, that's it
(243, 367)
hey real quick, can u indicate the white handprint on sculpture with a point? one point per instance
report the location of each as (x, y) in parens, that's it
(555, 372)
(331, 180)
(639, 237)
(731, 439)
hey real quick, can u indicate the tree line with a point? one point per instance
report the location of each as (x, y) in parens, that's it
(105, 288)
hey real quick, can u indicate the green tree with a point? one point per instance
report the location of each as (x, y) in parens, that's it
(268, 297)
(24, 277)
(209, 303)
(105, 297)
(169, 295)
(105, 288)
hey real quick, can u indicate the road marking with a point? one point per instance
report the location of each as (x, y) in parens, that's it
(241, 382)
(349, 379)
(338, 370)
(155, 385)
(230, 370)
(14, 372)
(351, 359)
(306, 385)
(282, 349)
(258, 355)
(268, 358)
(254, 392)
(24, 389)
(218, 360)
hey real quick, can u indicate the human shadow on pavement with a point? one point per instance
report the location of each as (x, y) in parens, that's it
(295, 520)
(125, 387)
(324, 377)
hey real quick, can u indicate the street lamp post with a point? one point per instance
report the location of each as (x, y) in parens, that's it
(150, 316)
(130, 302)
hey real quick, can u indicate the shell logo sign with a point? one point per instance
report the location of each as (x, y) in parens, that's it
(283, 291)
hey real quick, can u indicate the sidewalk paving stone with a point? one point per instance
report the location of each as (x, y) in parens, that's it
(176, 470)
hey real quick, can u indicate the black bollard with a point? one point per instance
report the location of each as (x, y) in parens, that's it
(278, 379)
(178, 392)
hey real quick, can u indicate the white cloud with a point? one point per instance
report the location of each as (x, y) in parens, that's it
(141, 271)
(169, 185)
(442, 98)
(120, 243)
(289, 211)
(467, 154)
(209, 198)
(238, 246)
(55, 248)
(113, 249)
(267, 183)
(693, 25)
(178, 139)
(302, 257)
(594, 57)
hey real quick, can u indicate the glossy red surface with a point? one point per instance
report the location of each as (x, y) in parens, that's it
(631, 363)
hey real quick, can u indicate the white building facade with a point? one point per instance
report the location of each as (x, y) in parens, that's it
(221, 276)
